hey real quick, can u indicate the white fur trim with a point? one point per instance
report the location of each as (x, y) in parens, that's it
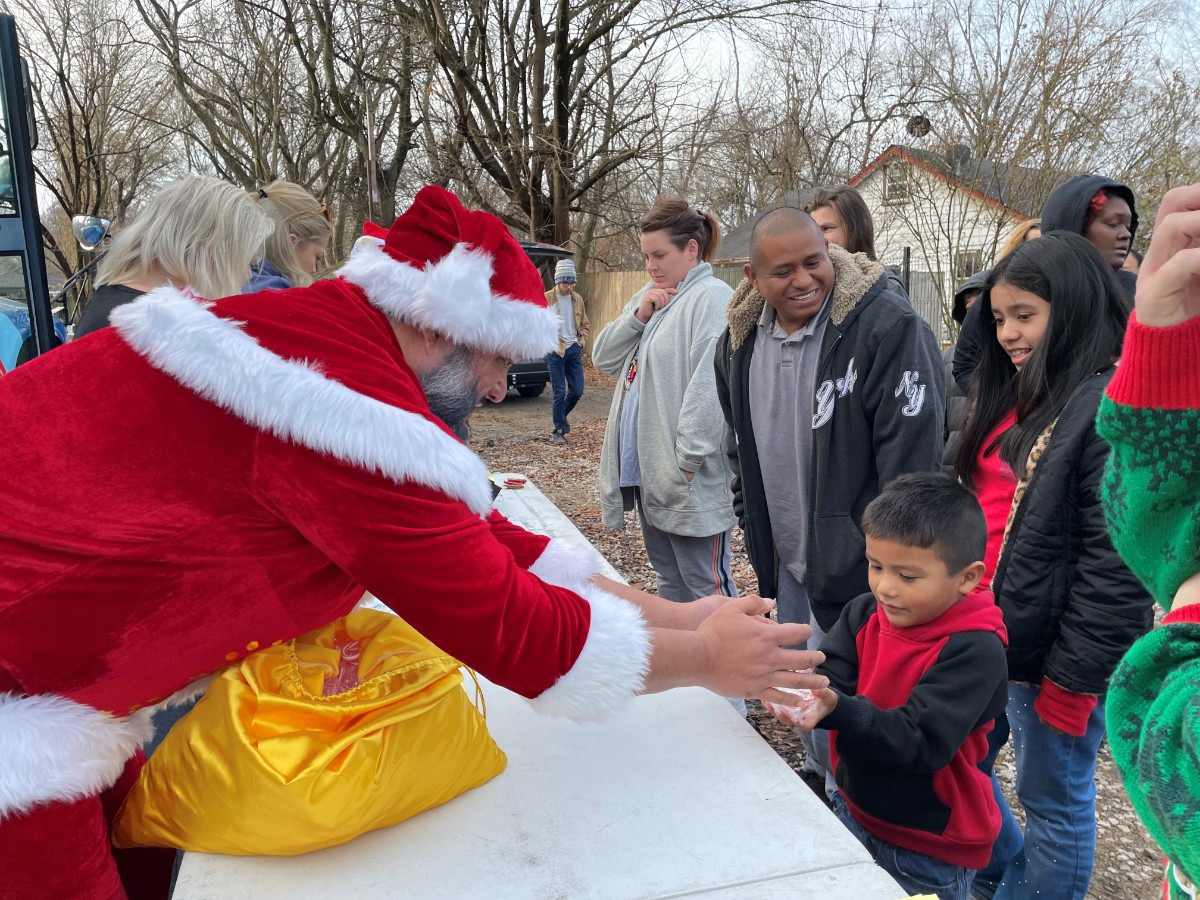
(213, 357)
(55, 749)
(193, 691)
(612, 666)
(454, 298)
(566, 564)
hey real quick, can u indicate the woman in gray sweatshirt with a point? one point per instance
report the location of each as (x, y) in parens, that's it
(663, 446)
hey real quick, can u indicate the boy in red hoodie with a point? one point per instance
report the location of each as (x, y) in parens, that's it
(917, 675)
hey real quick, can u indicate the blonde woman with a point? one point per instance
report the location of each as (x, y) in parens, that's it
(1026, 231)
(299, 242)
(198, 232)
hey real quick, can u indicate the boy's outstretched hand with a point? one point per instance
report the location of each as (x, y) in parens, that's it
(809, 713)
(1168, 288)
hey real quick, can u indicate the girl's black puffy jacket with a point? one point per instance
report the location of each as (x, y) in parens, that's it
(1070, 605)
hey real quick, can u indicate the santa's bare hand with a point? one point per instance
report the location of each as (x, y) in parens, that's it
(1168, 286)
(699, 610)
(748, 657)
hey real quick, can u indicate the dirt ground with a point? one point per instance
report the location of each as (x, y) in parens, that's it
(514, 436)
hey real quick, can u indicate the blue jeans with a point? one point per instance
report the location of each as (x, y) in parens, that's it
(566, 380)
(915, 872)
(1056, 783)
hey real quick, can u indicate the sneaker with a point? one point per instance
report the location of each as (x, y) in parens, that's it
(558, 437)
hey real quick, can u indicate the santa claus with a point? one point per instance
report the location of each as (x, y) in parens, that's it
(204, 479)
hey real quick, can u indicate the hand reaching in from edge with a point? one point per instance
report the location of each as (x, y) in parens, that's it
(1168, 288)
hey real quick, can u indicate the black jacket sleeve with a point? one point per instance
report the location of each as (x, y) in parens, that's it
(966, 351)
(966, 686)
(1107, 607)
(721, 364)
(905, 399)
(840, 647)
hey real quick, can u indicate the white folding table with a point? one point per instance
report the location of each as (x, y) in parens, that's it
(677, 796)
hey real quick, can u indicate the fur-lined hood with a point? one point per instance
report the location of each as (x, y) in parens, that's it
(854, 275)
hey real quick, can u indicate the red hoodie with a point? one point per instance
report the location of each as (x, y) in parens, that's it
(910, 727)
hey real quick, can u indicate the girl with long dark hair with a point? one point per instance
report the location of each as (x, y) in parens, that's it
(1030, 451)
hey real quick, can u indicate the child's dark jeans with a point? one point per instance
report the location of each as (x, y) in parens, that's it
(915, 872)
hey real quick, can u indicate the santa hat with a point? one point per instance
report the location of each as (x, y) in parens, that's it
(457, 272)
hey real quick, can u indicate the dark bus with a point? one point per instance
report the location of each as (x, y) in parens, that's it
(27, 326)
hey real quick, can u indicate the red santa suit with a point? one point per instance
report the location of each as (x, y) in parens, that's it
(202, 480)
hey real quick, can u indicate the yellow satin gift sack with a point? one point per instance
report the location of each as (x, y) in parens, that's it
(355, 726)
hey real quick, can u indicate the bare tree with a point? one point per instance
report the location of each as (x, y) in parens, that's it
(551, 99)
(102, 147)
(280, 89)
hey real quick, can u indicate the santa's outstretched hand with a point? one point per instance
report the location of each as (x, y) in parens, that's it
(748, 655)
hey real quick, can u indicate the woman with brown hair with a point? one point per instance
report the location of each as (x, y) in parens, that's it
(844, 219)
(663, 447)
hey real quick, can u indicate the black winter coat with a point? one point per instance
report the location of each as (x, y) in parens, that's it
(878, 411)
(1070, 605)
(956, 412)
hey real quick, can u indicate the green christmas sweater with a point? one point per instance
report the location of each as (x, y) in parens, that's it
(1151, 416)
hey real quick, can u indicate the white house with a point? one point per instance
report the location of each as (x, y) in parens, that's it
(945, 215)
(939, 216)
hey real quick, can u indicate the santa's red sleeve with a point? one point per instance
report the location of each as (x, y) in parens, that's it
(573, 648)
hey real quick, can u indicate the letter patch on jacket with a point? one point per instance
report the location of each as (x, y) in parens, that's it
(829, 391)
(910, 386)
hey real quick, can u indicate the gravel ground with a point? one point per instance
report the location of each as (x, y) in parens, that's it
(515, 437)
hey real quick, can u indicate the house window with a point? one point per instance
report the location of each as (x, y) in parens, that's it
(895, 183)
(967, 263)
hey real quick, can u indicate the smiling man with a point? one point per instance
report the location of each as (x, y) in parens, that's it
(831, 386)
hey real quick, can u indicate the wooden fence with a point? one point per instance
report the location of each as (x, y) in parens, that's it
(606, 293)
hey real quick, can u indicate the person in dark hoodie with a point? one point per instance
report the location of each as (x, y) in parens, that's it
(917, 676)
(1096, 207)
(956, 398)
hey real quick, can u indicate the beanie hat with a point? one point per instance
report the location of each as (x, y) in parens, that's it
(457, 272)
(564, 271)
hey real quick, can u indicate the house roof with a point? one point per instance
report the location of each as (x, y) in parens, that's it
(1016, 190)
(735, 245)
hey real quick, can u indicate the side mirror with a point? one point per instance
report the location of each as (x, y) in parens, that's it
(90, 230)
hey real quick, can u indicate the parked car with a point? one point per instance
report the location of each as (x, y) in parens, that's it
(16, 312)
(530, 376)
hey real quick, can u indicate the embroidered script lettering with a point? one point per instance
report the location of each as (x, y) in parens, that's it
(828, 393)
(910, 386)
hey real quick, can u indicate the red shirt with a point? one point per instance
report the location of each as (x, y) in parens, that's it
(995, 484)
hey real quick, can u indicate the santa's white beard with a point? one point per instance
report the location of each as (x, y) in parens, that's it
(450, 391)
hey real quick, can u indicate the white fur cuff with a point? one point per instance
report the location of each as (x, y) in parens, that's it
(566, 564)
(54, 749)
(612, 666)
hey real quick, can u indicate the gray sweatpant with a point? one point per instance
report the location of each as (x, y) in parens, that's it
(688, 568)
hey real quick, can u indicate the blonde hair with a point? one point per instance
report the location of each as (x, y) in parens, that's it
(1019, 235)
(201, 232)
(295, 212)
